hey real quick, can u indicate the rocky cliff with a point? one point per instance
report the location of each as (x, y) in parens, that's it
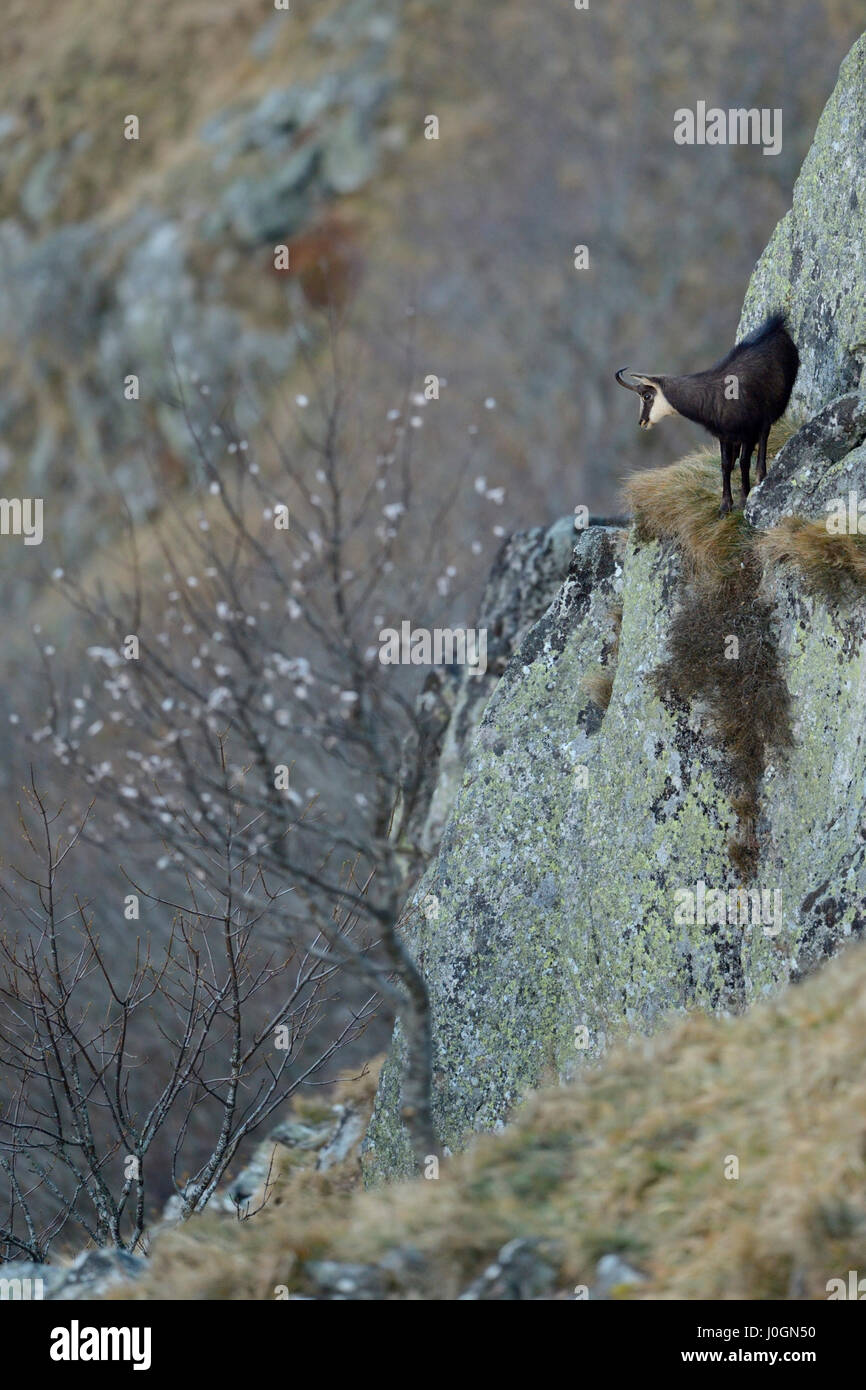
(664, 805)
(814, 261)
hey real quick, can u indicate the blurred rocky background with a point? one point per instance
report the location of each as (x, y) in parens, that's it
(409, 257)
(260, 126)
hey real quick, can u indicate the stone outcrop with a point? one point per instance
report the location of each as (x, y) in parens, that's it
(526, 576)
(813, 264)
(485, 920)
(90, 1275)
(556, 914)
(823, 461)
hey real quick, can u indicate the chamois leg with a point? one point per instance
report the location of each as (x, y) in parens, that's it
(745, 464)
(728, 451)
(762, 454)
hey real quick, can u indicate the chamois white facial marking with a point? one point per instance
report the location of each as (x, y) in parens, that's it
(661, 407)
(654, 403)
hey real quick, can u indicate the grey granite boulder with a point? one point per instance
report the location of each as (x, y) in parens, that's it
(823, 461)
(813, 265)
(90, 1275)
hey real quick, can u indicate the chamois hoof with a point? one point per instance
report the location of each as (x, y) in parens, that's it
(725, 508)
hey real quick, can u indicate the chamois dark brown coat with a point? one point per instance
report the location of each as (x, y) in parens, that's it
(738, 400)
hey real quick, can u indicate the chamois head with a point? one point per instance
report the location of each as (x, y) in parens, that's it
(654, 404)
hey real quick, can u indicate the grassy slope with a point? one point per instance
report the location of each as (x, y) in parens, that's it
(629, 1158)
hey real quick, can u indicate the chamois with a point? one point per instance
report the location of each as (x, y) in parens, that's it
(737, 400)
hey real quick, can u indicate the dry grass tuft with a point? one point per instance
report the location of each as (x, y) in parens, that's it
(744, 688)
(744, 849)
(598, 685)
(681, 504)
(629, 1157)
(833, 567)
(722, 560)
(746, 694)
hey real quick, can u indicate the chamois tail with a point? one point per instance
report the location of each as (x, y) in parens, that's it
(774, 323)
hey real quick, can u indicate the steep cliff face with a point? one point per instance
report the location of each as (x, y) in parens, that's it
(588, 880)
(526, 576)
(814, 262)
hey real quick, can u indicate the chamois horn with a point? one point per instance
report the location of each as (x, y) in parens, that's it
(627, 384)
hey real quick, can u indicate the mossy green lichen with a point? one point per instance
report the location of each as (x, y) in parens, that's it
(813, 264)
(487, 921)
(556, 917)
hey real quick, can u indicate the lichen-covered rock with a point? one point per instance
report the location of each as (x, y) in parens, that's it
(327, 1145)
(334, 1280)
(614, 1278)
(519, 1272)
(584, 887)
(263, 210)
(91, 1274)
(587, 883)
(813, 264)
(526, 575)
(823, 461)
(486, 920)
